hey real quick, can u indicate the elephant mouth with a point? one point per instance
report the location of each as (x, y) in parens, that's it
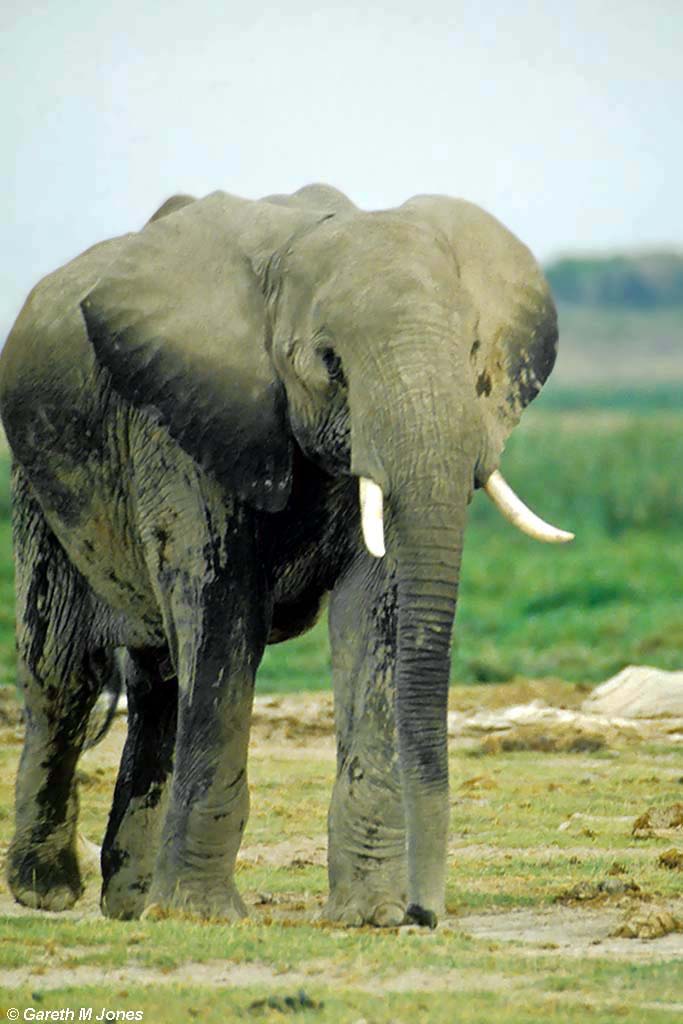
(509, 504)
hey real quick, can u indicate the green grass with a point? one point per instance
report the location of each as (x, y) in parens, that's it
(7, 659)
(556, 1002)
(610, 598)
(635, 398)
(581, 614)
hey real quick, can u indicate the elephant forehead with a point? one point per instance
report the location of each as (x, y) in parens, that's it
(366, 247)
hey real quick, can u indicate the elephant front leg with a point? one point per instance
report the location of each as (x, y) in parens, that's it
(219, 645)
(141, 795)
(367, 864)
(207, 813)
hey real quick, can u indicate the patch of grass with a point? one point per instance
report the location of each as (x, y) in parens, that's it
(634, 399)
(300, 664)
(581, 613)
(592, 469)
(7, 655)
(178, 1004)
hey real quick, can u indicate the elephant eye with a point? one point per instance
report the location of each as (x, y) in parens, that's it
(333, 366)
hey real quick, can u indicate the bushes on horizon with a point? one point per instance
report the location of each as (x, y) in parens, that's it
(638, 281)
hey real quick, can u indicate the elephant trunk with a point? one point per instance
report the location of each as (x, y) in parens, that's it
(428, 562)
(419, 446)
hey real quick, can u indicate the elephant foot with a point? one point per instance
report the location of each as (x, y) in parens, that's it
(126, 880)
(44, 882)
(224, 905)
(124, 900)
(415, 914)
(354, 909)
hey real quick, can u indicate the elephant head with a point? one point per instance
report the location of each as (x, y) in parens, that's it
(397, 347)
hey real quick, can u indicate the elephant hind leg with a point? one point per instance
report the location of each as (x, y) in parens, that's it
(61, 669)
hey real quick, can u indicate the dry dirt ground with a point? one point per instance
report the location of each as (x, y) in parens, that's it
(301, 727)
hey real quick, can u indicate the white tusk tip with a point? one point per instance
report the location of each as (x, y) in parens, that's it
(517, 513)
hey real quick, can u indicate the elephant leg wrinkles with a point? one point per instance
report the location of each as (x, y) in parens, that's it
(218, 617)
(141, 794)
(366, 827)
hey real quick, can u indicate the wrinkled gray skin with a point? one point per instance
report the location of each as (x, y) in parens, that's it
(189, 410)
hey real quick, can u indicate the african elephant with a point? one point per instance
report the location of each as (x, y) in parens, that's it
(193, 411)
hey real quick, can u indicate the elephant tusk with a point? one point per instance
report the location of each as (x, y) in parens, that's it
(372, 516)
(514, 509)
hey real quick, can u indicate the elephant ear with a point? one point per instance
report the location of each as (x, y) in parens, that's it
(179, 321)
(509, 313)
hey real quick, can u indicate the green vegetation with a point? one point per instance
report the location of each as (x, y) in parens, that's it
(634, 399)
(612, 597)
(7, 658)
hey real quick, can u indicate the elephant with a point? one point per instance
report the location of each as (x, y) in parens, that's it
(220, 423)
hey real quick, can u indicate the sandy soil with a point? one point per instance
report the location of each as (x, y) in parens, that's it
(222, 974)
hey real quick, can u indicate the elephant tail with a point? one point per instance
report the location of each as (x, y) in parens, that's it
(105, 708)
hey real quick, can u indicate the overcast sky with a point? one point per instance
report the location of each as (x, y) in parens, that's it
(563, 118)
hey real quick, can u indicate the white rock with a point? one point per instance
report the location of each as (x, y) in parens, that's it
(638, 691)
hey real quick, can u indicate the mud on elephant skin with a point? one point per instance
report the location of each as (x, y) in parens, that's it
(215, 422)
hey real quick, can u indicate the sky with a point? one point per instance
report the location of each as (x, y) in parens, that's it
(563, 118)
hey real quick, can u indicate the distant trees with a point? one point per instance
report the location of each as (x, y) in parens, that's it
(636, 281)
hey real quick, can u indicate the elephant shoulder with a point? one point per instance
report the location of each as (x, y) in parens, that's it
(48, 338)
(47, 368)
